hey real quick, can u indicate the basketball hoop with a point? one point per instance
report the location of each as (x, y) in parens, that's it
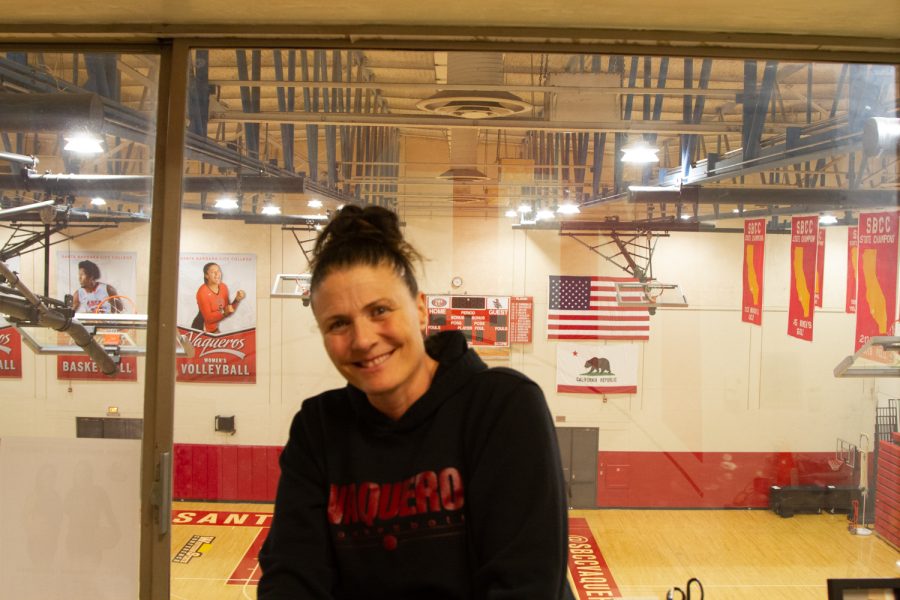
(835, 463)
(112, 337)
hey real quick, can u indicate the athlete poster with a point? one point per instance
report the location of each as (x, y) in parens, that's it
(804, 240)
(217, 314)
(754, 249)
(852, 264)
(596, 369)
(99, 283)
(820, 266)
(876, 296)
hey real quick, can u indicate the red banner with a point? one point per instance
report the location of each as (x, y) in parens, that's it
(521, 318)
(876, 296)
(219, 358)
(754, 248)
(80, 366)
(852, 264)
(10, 353)
(820, 266)
(804, 239)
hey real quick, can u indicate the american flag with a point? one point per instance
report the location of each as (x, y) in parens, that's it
(585, 308)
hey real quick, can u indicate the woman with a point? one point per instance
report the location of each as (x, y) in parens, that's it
(428, 476)
(212, 300)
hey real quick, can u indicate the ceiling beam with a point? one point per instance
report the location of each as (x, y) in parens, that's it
(429, 122)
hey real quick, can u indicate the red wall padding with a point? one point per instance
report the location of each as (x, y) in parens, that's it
(233, 473)
(624, 479)
(708, 479)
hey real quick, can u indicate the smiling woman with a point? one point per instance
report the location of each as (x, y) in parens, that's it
(428, 475)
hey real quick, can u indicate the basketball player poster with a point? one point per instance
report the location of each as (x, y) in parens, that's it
(754, 248)
(852, 264)
(10, 341)
(217, 314)
(876, 295)
(100, 283)
(804, 240)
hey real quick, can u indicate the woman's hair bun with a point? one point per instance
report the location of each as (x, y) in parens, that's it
(367, 235)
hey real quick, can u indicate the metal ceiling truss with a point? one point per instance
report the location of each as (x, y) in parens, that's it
(633, 253)
(341, 96)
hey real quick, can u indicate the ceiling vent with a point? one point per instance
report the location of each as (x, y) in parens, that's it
(473, 104)
(474, 68)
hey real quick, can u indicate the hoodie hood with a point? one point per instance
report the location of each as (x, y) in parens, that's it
(457, 363)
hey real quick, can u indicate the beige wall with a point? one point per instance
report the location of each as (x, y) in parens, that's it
(707, 381)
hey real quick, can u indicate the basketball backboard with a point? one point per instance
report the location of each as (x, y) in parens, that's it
(878, 357)
(650, 294)
(292, 285)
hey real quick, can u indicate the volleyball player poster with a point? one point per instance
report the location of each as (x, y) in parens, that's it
(10, 340)
(101, 283)
(801, 308)
(852, 264)
(754, 249)
(217, 314)
(876, 295)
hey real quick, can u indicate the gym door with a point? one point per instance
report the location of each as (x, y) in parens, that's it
(578, 450)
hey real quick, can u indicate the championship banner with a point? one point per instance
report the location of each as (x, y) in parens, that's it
(217, 314)
(595, 369)
(10, 351)
(852, 265)
(804, 239)
(876, 296)
(99, 282)
(754, 249)
(820, 266)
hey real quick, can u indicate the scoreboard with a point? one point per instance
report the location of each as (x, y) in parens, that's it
(483, 320)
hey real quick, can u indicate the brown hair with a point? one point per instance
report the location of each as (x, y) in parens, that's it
(363, 236)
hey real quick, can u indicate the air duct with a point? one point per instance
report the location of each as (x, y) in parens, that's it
(474, 68)
(51, 112)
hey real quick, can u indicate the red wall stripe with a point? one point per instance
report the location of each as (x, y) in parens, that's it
(624, 479)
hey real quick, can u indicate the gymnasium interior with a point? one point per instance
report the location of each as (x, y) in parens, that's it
(729, 191)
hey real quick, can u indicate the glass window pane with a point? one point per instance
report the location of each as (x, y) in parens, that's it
(77, 133)
(680, 251)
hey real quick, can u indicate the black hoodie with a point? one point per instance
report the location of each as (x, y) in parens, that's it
(461, 498)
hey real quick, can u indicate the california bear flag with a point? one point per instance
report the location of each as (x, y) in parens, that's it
(590, 369)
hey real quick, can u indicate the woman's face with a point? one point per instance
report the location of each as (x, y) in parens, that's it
(372, 329)
(213, 275)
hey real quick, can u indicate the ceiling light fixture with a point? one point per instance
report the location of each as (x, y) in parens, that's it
(270, 209)
(226, 203)
(567, 208)
(83, 143)
(828, 220)
(524, 209)
(98, 201)
(545, 214)
(639, 153)
(512, 213)
(314, 203)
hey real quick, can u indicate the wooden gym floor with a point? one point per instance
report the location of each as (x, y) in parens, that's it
(634, 554)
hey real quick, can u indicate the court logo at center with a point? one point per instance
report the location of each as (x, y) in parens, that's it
(194, 548)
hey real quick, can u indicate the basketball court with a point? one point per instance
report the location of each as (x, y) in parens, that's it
(630, 554)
